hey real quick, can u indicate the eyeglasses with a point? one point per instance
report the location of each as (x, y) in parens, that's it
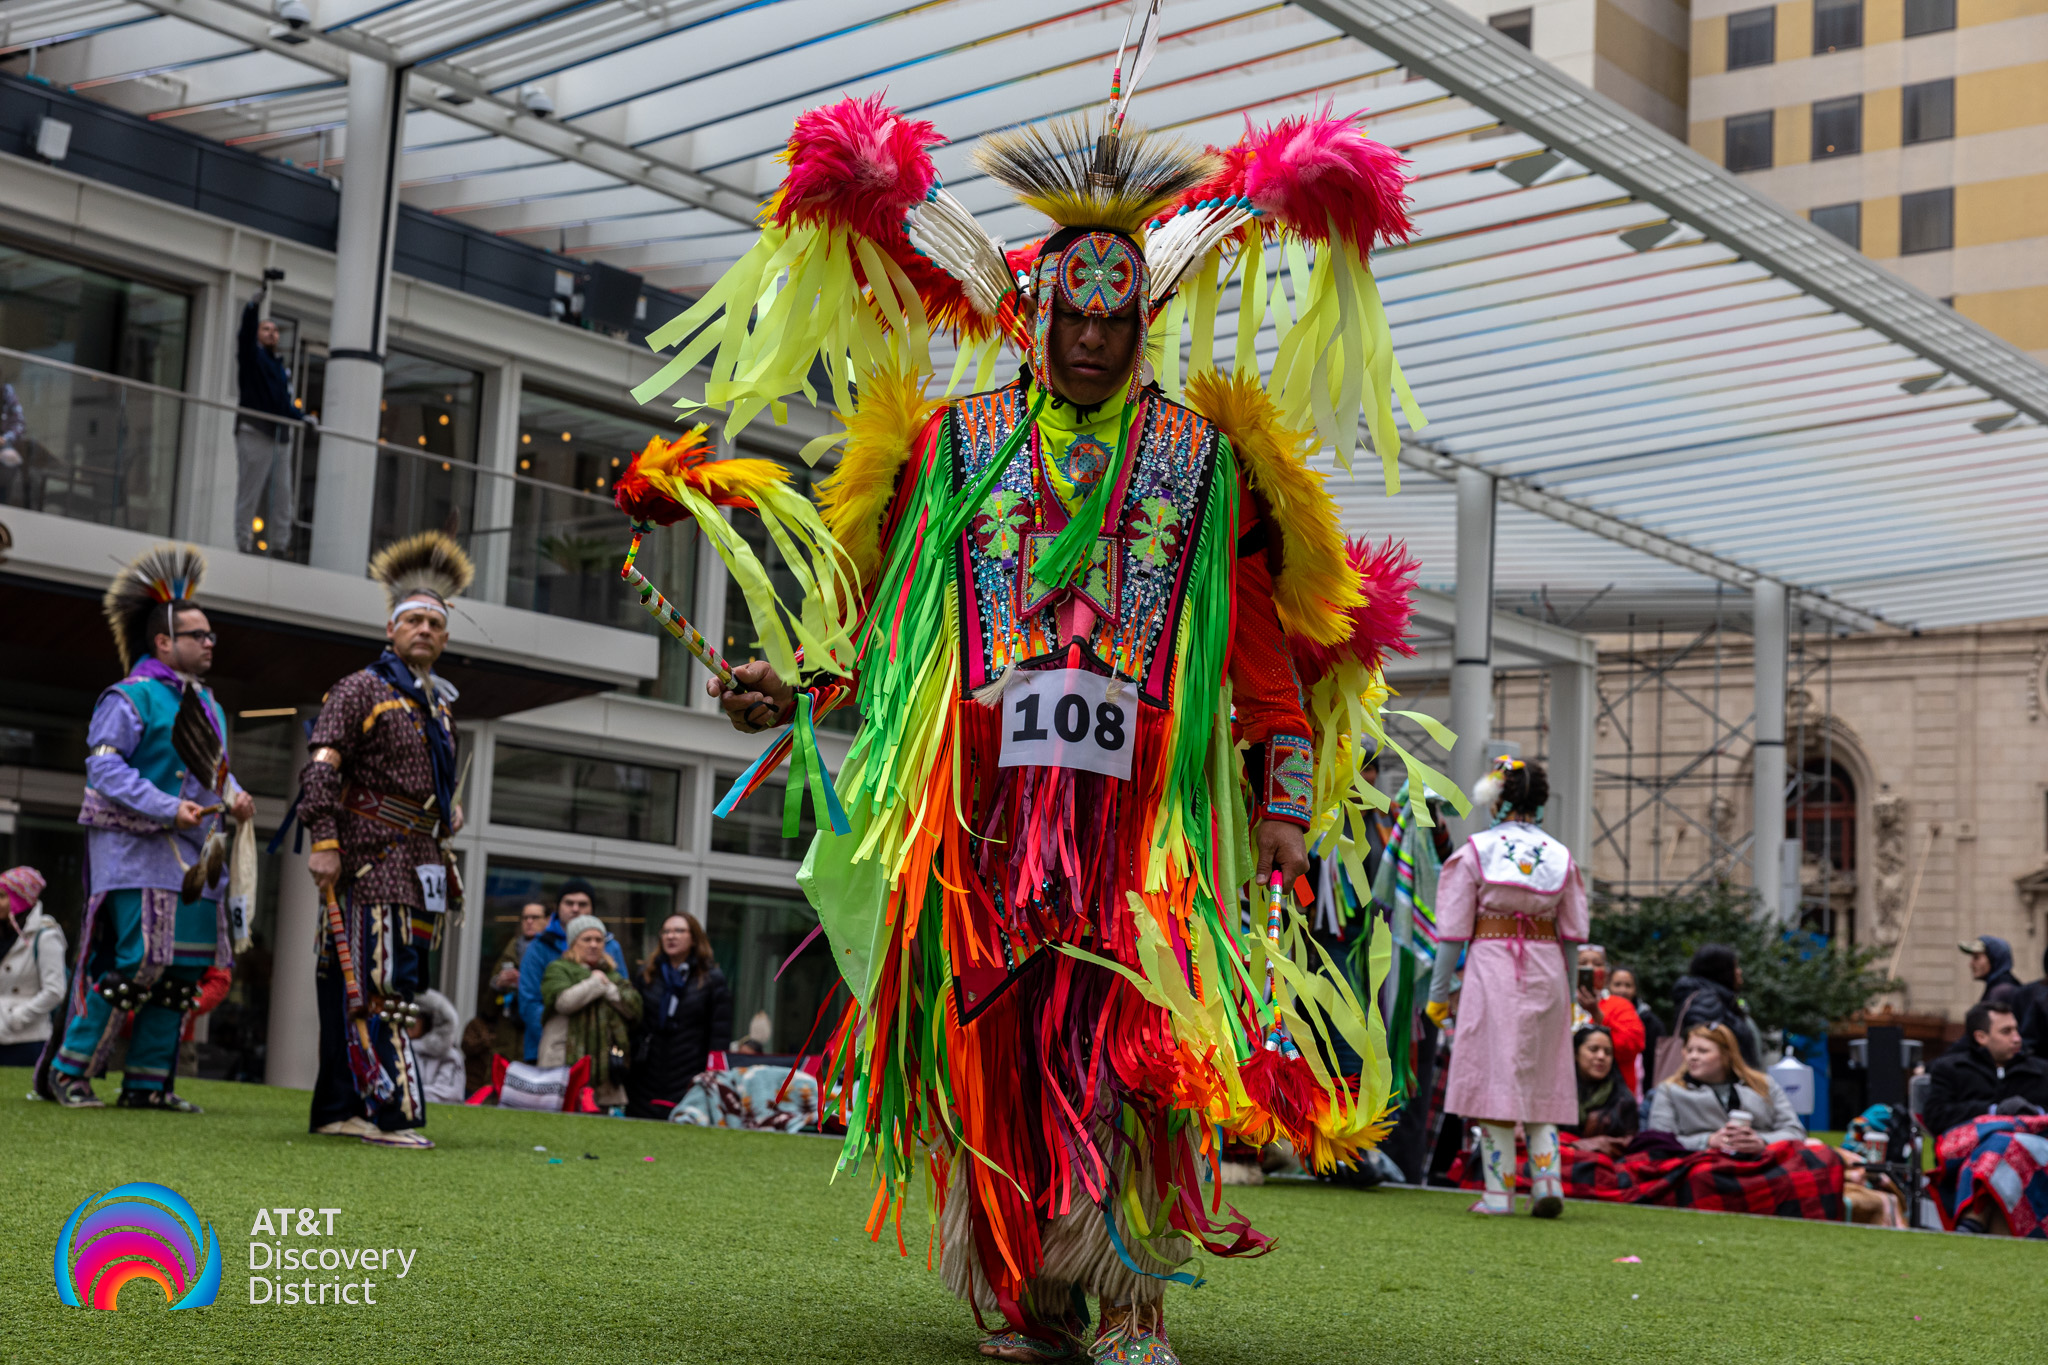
(204, 637)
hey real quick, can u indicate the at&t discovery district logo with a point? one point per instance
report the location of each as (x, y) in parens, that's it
(139, 1231)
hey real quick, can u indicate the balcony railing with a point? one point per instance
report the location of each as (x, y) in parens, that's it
(99, 448)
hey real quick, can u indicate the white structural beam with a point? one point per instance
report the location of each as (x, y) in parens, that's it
(1520, 492)
(1500, 76)
(1472, 636)
(446, 90)
(1518, 641)
(1573, 690)
(1769, 753)
(352, 409)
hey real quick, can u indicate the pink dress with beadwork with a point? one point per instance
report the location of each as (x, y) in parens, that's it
(1511, 1057)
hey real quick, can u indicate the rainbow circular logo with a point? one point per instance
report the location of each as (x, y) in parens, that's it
(137, 1232)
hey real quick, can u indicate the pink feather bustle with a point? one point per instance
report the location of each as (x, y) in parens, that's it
(1310, 171)
(857, 164)
(1313, 171)
(1386, 577)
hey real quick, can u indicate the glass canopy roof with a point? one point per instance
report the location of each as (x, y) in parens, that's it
(1677, 382)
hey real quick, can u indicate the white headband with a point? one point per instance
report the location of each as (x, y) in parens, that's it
(418, 601)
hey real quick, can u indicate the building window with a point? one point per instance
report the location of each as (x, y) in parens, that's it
(1515, 23)
(1748, 142)
(1753, 38)
(754, 828)
(632, 908)
(577, 794)
(1837, 127)
(1927, 221)
(90, 449)
(753, 930)
(1927, 112)
(1841, 220)
(1822, 819)
(1837, 24)
(1929, 16)
(567, 539)
(430, 415)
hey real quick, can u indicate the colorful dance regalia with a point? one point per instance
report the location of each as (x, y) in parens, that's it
(1092, 650)
(379, 792)
(154, 917)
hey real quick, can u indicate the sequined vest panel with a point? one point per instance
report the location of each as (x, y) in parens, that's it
(1137, 579)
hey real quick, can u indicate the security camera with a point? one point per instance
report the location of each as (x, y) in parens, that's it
(537, 101)
(293, 18)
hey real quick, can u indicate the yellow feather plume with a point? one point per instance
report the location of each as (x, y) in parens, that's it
(892, 409)
(1318, 585)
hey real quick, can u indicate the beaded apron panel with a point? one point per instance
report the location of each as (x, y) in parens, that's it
(1136, 580)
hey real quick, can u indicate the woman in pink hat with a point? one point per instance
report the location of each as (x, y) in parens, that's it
(31, 967)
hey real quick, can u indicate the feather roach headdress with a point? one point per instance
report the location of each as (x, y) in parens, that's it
(145, 596)
(429, 564)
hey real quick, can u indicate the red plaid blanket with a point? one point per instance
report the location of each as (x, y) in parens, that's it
(2004, 1158)
(1790, 1179)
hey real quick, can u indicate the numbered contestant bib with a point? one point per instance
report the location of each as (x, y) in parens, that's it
(1065, 718)
(433, 887)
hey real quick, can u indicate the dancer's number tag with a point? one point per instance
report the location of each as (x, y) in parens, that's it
(1065, 718)
(434, 886)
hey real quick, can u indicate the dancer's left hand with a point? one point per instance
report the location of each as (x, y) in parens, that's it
(1280, 845)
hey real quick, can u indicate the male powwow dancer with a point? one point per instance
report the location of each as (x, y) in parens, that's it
(157, 790)
(1116, 669)
(378, 799)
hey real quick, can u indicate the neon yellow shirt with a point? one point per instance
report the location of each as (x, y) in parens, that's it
(1077, 452)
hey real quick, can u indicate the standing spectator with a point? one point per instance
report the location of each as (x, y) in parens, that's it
(576, 898)
(1622, 981)
(1990, 1074)
(263, 449)
(499, 1008)
(686, 1015)
(1710, 993)
(1991, 963)
(1719, 1102)
(433, 1043)
(1515, 895)
(589, 1005)
(13, 448)
(1608, 1114)
(1617, 1016)
(31, 967)
(2030, 1005)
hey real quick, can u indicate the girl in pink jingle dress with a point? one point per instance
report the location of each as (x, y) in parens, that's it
(1515, 896)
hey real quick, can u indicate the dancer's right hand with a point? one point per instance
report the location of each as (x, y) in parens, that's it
(760, 702)
(1437, 1011)
(325, 865)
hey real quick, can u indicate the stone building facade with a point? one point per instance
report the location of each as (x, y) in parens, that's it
(1920, 784)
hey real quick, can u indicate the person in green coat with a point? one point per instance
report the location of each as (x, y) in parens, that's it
(589, 1005)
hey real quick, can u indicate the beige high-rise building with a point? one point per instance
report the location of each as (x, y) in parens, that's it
(1915, 130)
(1632, 51)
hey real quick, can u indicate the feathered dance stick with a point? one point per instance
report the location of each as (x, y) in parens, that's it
(671, 480)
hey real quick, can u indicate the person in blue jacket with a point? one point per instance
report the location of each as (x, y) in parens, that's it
(575, 898)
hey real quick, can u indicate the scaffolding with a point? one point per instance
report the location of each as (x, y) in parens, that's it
(1675, 727)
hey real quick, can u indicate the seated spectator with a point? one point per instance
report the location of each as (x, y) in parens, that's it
(687, 1007)
(577, 897)
(1991, 963)
(589, 1004)
(1986, 1103)
(1622, 981)
(1608, 1115)
(1709, 993)
(32, 977)
(1719, 1102)
(433, 1043)
(1596, 1005)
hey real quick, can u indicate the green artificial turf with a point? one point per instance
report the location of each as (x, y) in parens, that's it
(735, 1247)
